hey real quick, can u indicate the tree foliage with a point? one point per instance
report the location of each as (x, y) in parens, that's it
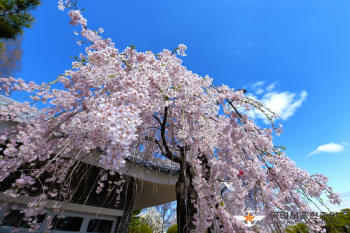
(338, 222)
(153, 219)
(14, 16)
(298, 228)
(140, 229)
(138, 224)
(172, 229)
(10, 58)
(158, 218)
(167, 212)
(135, 220)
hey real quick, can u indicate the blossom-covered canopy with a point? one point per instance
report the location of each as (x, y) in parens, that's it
(125, 103)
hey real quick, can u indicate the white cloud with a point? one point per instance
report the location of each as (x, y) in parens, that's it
(328, 148)
(271, 86)
(283, 104)
(259, 91)
(258, 83)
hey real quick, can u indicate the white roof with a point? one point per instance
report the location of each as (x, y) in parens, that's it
(5, 101)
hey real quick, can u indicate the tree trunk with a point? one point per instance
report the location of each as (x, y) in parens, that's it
(184, 190)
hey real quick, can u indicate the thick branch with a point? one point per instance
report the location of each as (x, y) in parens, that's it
(165, 149)
(171, 157)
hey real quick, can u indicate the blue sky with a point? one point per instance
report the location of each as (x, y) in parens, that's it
(293, 55)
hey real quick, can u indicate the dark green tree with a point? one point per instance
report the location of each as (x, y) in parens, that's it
(14, 16)
(140, 229)
(172, 229)
(339, 222)
(136, 225)
(135, 220)
(299, 228)
(10, 59)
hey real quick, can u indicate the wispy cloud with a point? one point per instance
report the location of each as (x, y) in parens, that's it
(258, 83)
(345, 195)
(284, 104)
(327, 148)
(271, 86)
(259, 91)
